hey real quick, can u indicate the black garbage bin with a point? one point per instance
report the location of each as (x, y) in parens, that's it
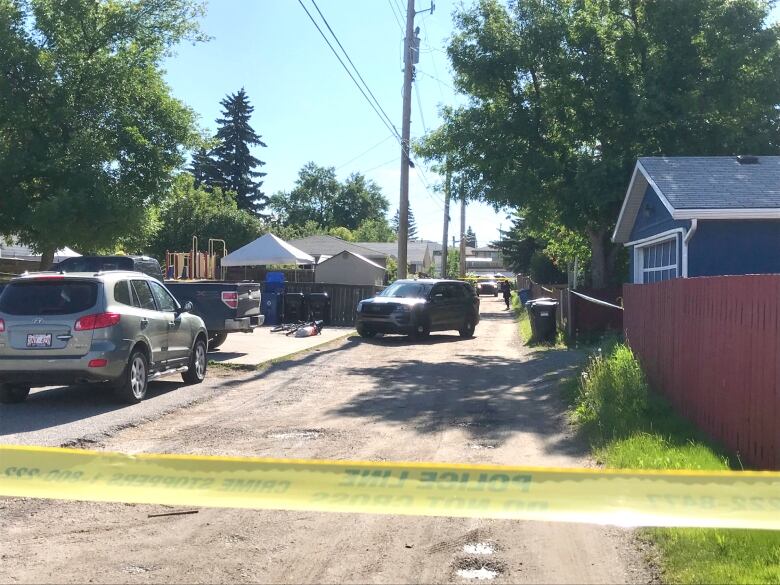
(294, 307)
(318, 305)
(541, 313)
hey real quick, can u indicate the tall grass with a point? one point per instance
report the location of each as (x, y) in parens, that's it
(630, 427)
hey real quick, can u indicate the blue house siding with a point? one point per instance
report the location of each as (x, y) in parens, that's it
(734, 247)
(653, 218)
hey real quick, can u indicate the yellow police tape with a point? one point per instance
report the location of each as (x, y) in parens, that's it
(636, 498)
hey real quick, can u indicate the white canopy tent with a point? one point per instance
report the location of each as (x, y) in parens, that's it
(65, 252)
(267, 249)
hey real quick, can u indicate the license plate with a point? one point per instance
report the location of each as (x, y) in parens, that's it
(544, 314)
(39, 340)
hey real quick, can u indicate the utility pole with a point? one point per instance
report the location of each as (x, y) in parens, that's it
(462, 229)
(411, 58)
(403, 207)
(447, 187)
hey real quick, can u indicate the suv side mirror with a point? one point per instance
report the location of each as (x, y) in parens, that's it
(185, 308)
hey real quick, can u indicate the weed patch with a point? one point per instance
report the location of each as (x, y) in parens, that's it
(630, 427)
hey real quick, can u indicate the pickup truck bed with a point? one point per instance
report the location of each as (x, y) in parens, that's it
(225, 307)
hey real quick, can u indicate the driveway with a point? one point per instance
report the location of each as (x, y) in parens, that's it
(486, 399)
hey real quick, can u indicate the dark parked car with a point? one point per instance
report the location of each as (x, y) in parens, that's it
(417, 307)
(487, 287)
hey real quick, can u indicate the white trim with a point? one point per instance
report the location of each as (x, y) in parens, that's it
(658, 191)
(630, 195)
(625, 203)
(756, 213)
(656, 237)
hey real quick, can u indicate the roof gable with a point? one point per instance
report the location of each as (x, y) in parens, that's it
(706, 187)
(347, 253)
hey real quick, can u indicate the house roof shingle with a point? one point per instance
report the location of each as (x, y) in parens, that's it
(330, 246)
(415, 251)
(716, 182)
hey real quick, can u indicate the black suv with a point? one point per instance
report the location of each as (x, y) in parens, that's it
(417, 307)
(144, 264)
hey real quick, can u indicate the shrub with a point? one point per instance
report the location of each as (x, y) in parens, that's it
(613, 393)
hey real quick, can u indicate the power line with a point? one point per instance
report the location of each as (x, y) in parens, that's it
(365, 152)
(437, 80)
(393, 8)
(433, 57)
(384, 164)
(375, 105)
(387, 123)
(376, 101)
(419, 107)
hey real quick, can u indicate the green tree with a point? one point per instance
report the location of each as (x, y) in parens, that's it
(343, 233)
(89, 132)
(232, 159)
(319, 197)
(189, 211)
(374, 230)
(411, 228)
(564, 95)
(471, 238)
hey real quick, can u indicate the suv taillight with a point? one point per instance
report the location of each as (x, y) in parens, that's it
(230, 299)
(2, 326)
(98, 321)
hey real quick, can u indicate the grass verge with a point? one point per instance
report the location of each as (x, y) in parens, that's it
(631, 427)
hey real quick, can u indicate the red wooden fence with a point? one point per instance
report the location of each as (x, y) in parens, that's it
(712, 346)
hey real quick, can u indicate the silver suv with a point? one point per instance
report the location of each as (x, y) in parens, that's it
(123, 328)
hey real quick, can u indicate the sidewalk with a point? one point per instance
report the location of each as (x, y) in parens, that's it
(250, 349)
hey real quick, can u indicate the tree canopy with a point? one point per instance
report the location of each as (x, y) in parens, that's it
(89, 131)
(190, 210)
(319, 197)
(565, 95)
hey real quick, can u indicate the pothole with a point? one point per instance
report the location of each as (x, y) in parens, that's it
(479, 548)
(295, 434)
(477, 569)
(481, 446)
(137, 569)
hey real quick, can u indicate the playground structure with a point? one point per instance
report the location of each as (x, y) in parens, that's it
(197, 265)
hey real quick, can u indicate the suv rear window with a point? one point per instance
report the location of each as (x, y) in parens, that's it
(41, 297)
(92, 264)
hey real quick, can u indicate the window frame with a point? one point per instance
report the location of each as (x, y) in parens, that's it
(154, 284)
(641, 250)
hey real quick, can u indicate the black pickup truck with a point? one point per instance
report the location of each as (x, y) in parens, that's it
(225, 307)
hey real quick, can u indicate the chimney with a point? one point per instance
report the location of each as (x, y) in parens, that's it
(746, 159)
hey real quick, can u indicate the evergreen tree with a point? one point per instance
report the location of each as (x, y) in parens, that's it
(411, 230)
(234, 164)
(204, 169)
(471, 238)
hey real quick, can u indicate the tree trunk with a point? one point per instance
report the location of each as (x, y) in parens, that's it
(47, 257)
(598, 261)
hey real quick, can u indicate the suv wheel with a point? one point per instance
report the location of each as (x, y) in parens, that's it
(366, 333)
(217, 340)
(196, 372)
(468, 328)
(135, 379)
(422, 330)
(13, 393)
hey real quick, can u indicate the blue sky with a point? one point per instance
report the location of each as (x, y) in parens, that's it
(307, 108)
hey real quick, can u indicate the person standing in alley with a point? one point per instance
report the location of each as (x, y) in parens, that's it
(506, 289)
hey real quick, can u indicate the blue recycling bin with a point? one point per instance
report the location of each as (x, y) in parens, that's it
(272, 298)
(525, 295)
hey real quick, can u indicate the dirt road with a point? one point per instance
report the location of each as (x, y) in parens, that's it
(486, 399)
